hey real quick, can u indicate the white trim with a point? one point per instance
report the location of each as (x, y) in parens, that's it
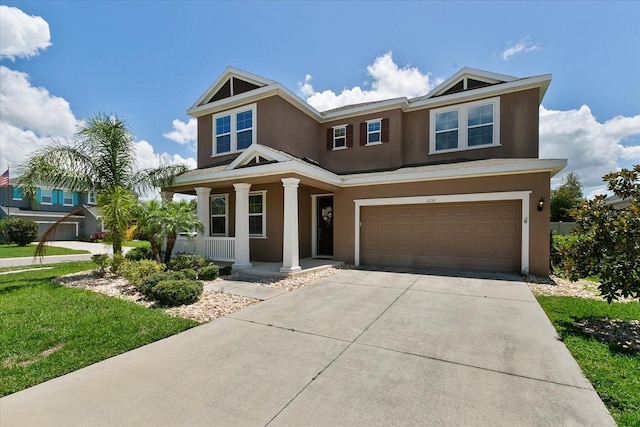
(263, 193)
(523, 196)
(64, 193)
(314, 222)
(226, 215)
(337, 127)
(472, 169)
(463, 125)
(379, 132)
(256, 149)
(233, 131)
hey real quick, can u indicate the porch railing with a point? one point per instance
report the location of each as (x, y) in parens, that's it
(220, 248)
(216, 248)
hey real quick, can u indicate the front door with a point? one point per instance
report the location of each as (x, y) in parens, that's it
(324, 219)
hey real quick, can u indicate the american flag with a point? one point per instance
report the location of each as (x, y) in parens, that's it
(4, 179)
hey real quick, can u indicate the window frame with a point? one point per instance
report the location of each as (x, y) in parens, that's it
(263, 194)
(233, 129)
(224, 196)
(343, 137)
(463, 125)
(64, 197)
(92, 198)
(42, 196)
(379, 131)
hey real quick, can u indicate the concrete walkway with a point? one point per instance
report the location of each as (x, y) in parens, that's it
(359, 348)
(93, 248)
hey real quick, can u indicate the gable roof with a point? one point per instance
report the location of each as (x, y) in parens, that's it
(484, 84)
(228, 77)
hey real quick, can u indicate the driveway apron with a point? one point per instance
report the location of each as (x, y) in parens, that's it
(358, 348)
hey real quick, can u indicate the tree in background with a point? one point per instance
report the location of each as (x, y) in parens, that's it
(149, 216)
(101, 159)
(608, 239)
(566, 198)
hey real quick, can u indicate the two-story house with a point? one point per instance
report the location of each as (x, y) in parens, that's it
(50, 205)
(451, 179)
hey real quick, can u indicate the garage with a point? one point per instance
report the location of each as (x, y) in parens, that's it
(65, 230)
(483, 235)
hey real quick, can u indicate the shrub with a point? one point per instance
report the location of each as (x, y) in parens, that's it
(98, 235)
(209, 272)
(103, 262)
(21, 231)
(137, 254)
(177, 292)
(559, 245)
(226, 270)
(188, 273)
(136, 271)
(185, 261)
(116, 262)
(148, 283)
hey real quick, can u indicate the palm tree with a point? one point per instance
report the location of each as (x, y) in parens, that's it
(179, 216)
(100, 159)
(149, 218)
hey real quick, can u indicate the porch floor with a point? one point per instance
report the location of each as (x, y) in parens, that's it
(272, 269)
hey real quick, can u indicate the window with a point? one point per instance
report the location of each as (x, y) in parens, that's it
(91, 198)
(374, 129)
(219, 221)
(46, 197)
(257, 216)
(466, 126)
(17, 193)
(234, 130)
(339, 137)
(67, 198)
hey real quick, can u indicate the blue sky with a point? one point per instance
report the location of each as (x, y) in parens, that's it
(147, 62)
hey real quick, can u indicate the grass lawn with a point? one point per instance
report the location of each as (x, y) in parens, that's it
(15, 251)
(47, 330)
(613, 371)
(137, 244)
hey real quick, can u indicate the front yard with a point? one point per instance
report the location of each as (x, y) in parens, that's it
(48, 330)
(605, 341)
(12, 250)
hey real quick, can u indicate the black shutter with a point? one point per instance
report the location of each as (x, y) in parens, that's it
(330, 139)
(363, 134)
(384, 135)
(349, 135)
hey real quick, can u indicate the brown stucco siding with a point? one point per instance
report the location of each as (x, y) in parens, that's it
(205, 135)
(365, 157)
(286, 128)
(344, 209)
(518, 133)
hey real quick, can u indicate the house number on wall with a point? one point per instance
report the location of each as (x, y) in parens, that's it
(430, 200)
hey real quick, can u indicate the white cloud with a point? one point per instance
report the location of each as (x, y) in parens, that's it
(148, 158)
(32, 107)
(592, 148)
(522, 46)
(22, 35)
(388, 81)
(183, 133)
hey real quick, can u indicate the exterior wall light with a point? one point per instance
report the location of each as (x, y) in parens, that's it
(541, 204)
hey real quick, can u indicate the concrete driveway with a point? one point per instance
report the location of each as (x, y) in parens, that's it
(359, 348)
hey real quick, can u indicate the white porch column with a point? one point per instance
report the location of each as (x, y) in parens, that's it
(166, 195)
(203, 216)
(242, 226)
(290, 252)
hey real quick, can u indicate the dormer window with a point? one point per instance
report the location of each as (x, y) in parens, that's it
(465, 126)
(234, 130)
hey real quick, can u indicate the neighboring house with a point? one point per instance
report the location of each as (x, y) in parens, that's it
(48, 206)
(617, 202)
(451, 179)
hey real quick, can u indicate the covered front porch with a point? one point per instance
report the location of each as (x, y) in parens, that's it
(262, 211)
